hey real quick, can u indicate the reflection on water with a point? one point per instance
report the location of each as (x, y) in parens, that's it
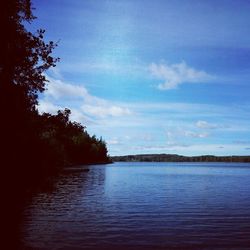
(143, 206)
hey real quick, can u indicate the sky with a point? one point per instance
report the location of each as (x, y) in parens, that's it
(162, 76)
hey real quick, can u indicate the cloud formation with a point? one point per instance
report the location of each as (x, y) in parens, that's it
(105, 110)
(113, 141)
(206, 125)
(174, 75)
(188, 149)
(195, 134)
(128, 126)
(82, 104)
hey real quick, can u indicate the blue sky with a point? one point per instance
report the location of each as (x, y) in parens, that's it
(152, 76)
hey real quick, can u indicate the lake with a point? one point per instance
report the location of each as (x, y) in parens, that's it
(143, 206)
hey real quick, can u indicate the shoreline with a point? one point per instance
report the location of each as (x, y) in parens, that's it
(180, 158)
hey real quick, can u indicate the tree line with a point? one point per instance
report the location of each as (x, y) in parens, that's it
(179, 158)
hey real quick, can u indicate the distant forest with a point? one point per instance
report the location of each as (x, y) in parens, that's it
(179, 158)
(34, 146)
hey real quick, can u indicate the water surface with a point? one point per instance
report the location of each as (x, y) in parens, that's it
(143, 206)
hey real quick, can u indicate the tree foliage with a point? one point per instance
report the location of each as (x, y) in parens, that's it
(24, 56)
(34, 145)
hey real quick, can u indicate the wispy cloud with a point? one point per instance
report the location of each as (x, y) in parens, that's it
(206, 125)
(174, 75)
(242, 142)
(105, 110)
(59, 89)
(113, 141)
(132, 67)
(161, 148)
(190, 149)
(79, 100)
(196, 134)
(145, 126)
(45, 106)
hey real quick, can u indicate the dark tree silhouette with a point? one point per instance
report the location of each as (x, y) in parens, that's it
(24, 57)
(34, 146)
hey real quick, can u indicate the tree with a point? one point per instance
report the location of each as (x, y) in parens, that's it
(24, 57)
(34, 145)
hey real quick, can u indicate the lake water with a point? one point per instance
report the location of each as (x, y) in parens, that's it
(143, 206)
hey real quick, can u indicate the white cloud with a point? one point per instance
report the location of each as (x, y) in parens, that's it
(161, 148)
(177, 133)
(59, 89)
(45, 106)
(175, 74)
(113, 141)
(105, 110)
(195, 135)
(77, 95)
(206, 125)
(79, 116)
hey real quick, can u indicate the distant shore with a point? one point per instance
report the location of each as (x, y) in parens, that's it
(179, 158)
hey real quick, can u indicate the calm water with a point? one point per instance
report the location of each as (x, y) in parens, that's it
(143, 206)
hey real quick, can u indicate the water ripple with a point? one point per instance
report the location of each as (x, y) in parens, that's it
(143, 206)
